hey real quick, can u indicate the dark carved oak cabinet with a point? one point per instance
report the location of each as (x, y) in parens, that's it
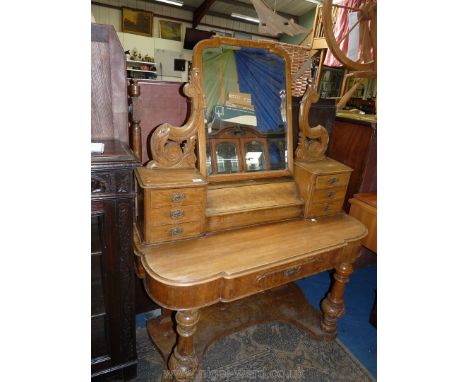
(113, 348)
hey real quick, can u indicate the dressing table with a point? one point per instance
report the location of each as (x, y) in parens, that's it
(217, 222)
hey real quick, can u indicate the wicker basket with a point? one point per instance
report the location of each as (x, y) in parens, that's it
(298, 55)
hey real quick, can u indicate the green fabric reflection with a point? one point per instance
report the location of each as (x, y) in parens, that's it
(219, 76)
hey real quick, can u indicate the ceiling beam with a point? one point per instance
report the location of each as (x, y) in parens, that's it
(201, 11)
(240, 4)
(236, 3)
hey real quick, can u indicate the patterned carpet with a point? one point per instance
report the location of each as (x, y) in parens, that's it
(267, 352)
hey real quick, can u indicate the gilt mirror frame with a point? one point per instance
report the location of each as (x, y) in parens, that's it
(197, 62)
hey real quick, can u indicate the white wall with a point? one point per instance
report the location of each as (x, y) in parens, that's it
(155, 45)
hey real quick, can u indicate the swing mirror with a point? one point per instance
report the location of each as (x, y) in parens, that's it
(247, 130)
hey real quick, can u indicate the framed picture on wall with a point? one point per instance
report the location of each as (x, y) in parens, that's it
(223, 33)
(137, 22)
(170, 30)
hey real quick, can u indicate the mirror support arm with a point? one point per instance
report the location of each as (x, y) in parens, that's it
(313, 141)
(172, 146)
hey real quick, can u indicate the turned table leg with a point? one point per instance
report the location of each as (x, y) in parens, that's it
(183, 362)
(333, 306)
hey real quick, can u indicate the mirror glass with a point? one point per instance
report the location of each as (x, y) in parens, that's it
(255, 156)
(245, 109)
(227, 158)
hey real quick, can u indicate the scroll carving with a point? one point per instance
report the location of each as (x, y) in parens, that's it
(313, 141)
(172, 146)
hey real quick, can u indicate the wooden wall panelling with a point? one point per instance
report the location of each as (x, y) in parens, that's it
(369, 177)
(354, 143)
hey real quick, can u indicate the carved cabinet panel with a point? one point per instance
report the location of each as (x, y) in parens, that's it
(113, 349)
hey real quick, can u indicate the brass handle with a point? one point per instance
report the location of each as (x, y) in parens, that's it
(176, 231)
(292, 271)
(331, 194)
(332, 180)
(177, 214)
(325, 207)
(176, 198)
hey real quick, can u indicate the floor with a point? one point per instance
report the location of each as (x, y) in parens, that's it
(354, 329)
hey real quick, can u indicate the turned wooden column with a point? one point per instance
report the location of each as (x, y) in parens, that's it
(183, 362)
(135, 129)
(333, 306)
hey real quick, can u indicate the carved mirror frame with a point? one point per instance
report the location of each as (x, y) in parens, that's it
(173, 147)
(197, 63)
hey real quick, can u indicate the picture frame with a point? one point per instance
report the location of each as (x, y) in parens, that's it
(137, 22)
(170, 30)
(223, 33)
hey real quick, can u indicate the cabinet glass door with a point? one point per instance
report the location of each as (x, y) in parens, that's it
(227, 158)
(255, 156)
(99, 335)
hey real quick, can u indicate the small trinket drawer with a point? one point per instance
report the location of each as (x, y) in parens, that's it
(170, 209)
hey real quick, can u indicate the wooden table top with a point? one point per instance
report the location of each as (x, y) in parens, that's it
(234, 253)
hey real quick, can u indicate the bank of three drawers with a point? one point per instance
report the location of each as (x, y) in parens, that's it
(322, 185)
(170, 210)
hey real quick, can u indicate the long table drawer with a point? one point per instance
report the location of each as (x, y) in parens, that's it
(292, 272)
(329, 181)
(177, 196)
(173, 232)
(175, 214)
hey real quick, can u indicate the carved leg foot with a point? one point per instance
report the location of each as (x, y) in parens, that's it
(183, 362)
(333, 306)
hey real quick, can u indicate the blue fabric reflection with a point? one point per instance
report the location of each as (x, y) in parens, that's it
(262, 74)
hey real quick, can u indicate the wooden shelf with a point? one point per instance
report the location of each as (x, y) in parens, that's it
(141, 62)
(143, 71)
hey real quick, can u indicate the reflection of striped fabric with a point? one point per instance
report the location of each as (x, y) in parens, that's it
(339, 30)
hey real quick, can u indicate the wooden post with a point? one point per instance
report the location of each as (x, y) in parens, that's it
(319, 71)
(183, 363)
(135, 139)
(333, 306)
(344, 83)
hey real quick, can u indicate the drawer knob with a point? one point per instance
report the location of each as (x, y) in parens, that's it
(292, 271)
(331, 194)
(177, 214)
(176, 231)
(176, 198)
(333, 181)
(325, 207)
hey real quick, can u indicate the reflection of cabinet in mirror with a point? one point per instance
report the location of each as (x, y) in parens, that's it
(244, 149)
